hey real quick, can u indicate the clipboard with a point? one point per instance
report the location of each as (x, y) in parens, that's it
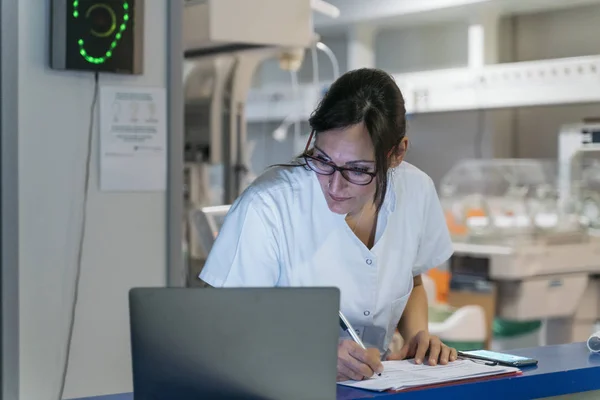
(460, 382)
(406, 375)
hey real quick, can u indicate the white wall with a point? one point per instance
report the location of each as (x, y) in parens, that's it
(564, 33)
(423, 47)
(125, 243)
(435, 140)
(555, 34)
(441, 140)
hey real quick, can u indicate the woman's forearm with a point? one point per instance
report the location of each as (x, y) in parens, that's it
(415, 316)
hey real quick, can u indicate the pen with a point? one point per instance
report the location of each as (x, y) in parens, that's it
(348, 328)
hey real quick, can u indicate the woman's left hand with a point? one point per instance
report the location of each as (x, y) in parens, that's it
(423, 344)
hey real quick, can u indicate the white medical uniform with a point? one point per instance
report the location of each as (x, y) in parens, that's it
(280, 232)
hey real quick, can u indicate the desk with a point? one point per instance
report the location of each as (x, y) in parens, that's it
(563, 369)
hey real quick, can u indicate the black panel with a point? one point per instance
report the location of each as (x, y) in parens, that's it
(594, 135)
(100, 35)
(470, 273)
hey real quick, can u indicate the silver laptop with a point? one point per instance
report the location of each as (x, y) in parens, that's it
(239, 343)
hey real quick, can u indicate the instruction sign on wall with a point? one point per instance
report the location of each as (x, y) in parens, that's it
(133, 139)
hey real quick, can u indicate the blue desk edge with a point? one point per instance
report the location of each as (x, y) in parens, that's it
(562, 369)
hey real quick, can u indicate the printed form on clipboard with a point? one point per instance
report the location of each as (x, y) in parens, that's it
(405, 374)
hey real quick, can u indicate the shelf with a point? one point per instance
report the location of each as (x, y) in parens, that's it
(523, 84)
(481, 249)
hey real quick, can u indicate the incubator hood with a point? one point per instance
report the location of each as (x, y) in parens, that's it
(501, 201)
(521, 235)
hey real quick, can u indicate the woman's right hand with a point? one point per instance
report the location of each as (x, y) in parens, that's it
(356, 363)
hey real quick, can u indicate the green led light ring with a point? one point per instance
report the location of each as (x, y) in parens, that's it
(113, 18)
(114, 43)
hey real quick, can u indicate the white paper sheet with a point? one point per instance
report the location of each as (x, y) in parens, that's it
(405, 374)
(133, 145)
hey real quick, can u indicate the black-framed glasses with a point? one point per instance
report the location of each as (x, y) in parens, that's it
(353, 175)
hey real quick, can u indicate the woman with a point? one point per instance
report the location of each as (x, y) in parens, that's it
(349, 213)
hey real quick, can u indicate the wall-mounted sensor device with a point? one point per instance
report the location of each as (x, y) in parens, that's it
(98, 35)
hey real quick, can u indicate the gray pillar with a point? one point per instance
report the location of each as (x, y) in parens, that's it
(9, 199)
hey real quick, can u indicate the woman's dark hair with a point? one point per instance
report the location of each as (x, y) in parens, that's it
(368, 96)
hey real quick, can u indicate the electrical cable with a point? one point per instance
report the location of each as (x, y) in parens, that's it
(280, 133)
(294, 118)
(334, 61)
(88, 161)
(296, 122)
(314, 55)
